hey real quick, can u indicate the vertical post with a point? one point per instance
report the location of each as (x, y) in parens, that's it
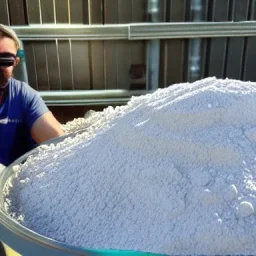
(153, 49)
(194, 60)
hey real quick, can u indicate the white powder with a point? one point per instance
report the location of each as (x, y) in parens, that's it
(171, 172)
(1, 167)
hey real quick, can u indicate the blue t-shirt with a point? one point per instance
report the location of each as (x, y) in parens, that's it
(21, 107)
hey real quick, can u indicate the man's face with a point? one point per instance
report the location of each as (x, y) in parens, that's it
(7, 45)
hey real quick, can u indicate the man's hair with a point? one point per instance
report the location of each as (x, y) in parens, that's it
(6, 31)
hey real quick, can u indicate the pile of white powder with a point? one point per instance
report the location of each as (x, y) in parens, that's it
(171, 172)
(1, 167)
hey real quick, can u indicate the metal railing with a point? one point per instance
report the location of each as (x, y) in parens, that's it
(89, 97)
(134, 31)
(137, 31)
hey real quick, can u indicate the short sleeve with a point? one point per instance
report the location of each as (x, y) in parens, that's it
(34, 106)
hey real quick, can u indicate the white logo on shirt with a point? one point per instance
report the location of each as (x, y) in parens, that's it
(8, 120)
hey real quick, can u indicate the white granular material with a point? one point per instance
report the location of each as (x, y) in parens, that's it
(171, 172)
(1, 167)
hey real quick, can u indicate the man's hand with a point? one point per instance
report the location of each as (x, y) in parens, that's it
(46, 127)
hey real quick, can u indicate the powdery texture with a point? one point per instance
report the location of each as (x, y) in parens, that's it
(171, 172)
(1, 167)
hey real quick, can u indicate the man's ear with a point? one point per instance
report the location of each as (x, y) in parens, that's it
(17, 61)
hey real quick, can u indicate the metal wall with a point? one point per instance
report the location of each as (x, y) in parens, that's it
(71, 65)
(231, 57)
(221, 57)
(76, 65)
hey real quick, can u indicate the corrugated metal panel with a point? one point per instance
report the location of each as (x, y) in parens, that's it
(139, 8)
(110, 47)
(51, 48)
(44, 53)
(95, 11)
(123, 47)
(96, 48)
(31, 64)
(64, 47)
(164, 7)
(106, 65)
(110, 68)
(204, 42)
(123, 64)
(62, 11)
(250, 51)
(34, 17)
(236, 46)
(17, 16)
(81, 65)
(80, 49)
(217, 47)
(36, 52)
(138, 49)
(34, 13)
(17, 12)
(124, 11)
(178, 10)
(79, 12)
(122, 55)
(65, 63)
(173, 51)
(41, 66)
(53, 60)
(138, 65)
(48, 11)
(97, 65)
(4, 12)
(249, 67)
(53, 65)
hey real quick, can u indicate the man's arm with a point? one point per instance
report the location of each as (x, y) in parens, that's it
(40, 121)
(46, 127)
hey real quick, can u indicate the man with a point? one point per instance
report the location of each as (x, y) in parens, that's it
(24, 118)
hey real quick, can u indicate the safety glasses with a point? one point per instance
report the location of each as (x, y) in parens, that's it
(7, 59)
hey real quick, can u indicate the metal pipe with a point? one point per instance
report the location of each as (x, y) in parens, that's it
(153, 49)
(194, 59)
(89, 97)
(137, 31)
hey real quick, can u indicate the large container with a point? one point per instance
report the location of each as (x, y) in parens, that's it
(27, 242)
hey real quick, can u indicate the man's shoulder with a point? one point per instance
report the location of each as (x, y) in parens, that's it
(14, 83)
(21, 87)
